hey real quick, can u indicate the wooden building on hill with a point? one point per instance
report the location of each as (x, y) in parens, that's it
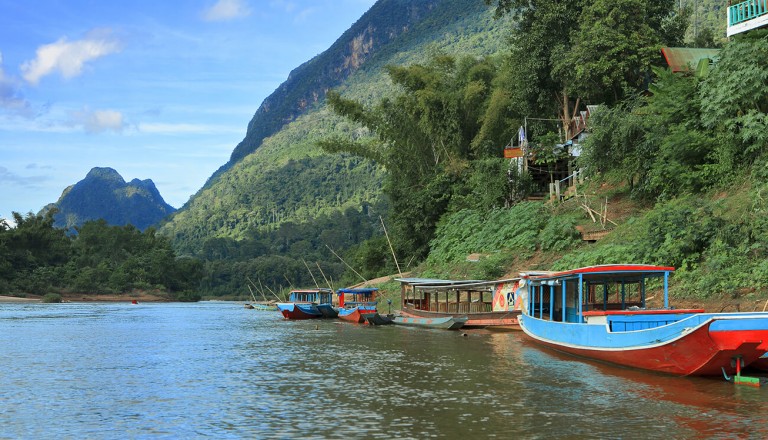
(556, 178)
(745, 16)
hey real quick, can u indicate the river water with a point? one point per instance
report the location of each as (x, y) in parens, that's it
(218, 370)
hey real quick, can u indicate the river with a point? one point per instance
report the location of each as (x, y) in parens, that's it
(218, 370)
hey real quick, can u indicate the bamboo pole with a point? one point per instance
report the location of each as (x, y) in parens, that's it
(261, 291)
(399, 272)
(310, 273)
(345, 263)
(270, 290)
(273, 292)
(323, 274)
(289, 282)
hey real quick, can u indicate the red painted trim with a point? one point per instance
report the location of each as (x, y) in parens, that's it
(607, 268)
(641, 312)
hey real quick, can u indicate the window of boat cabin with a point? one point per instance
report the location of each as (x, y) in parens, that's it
(610, 293)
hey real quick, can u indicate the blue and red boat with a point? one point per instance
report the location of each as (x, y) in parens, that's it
(600, 312)
(357, 304)
(303, 304)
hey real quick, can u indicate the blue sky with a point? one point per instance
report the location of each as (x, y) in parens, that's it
(159, 90)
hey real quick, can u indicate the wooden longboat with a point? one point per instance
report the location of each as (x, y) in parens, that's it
(302, 304)
(483, 303)
(261, 305)
(356, 304)
(378, 319)
(600, 312)
(446, 323)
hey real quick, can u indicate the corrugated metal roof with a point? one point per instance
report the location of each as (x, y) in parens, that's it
(685, 58)
(432, 284)
(427, 281)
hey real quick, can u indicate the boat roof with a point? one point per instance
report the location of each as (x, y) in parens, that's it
(358, 290)
(322, 289)
(435, 282)
(681, 59)
(608, 271)
(467, 284)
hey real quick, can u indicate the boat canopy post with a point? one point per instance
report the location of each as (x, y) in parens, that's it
(551, 301)
(605, 295)
(666, 289)
(562, 290)
(642, 290)
(541, 301)
(581, 298)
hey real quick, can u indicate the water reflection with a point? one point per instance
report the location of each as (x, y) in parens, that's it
(691, 406)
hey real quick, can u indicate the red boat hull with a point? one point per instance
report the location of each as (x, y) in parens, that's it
(357, 316)
(699, 353)
(296, 313)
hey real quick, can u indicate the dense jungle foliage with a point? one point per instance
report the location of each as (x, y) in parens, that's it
(37, 258)
(688, 149)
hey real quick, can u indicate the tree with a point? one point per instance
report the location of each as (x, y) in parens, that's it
(566, 53)
(426, 137)
(735, 96)
(611, 50)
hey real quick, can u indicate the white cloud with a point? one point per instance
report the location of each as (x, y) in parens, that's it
(68, 57)
(10, 97)
(99, 120)
(9, 221)
(226, 10)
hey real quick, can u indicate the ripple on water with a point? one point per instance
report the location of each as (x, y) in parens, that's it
(219, 370)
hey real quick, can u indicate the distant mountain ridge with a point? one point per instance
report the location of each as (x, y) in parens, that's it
(104, 194)
(307, 84)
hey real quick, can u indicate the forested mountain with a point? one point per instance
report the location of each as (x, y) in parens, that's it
(104, 194)
(306, 85)
(279, 181)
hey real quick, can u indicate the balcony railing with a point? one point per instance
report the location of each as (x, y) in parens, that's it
(739, 14)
